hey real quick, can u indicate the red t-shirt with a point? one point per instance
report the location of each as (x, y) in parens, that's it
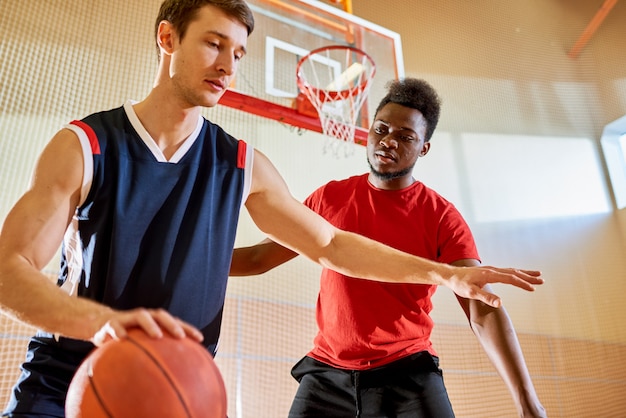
(365, 324)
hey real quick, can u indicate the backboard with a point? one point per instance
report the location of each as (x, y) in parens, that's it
(287, 30)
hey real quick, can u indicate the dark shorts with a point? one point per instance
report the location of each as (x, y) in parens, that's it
(410, 387)
(46, 374)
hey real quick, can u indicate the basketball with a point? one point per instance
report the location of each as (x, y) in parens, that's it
(139, 376)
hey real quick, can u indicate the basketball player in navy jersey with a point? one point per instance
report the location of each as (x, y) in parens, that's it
(131, 194)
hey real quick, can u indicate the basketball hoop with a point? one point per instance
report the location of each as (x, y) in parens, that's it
(334, 81)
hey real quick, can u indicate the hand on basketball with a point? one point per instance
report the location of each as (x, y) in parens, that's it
(152, 321)
(469, 282)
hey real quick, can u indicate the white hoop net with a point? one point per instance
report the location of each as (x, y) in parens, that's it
(336, 81)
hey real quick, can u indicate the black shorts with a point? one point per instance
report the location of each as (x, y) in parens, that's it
(46, 374)
(410, 387)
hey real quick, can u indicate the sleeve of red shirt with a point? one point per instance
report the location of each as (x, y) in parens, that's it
(455, 239)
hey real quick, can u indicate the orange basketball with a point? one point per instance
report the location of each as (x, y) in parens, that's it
(141, 377)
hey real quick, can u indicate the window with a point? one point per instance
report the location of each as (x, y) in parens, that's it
(614, 147)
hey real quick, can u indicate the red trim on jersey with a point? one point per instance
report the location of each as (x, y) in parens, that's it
(241, 154)
(91, 135)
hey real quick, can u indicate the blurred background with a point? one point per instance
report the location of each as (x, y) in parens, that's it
(530, 148)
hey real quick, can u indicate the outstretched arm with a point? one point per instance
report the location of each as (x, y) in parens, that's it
(293, 225)
(259, 258)
(496, 334)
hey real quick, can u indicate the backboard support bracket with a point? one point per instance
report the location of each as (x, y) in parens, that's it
(266, 109)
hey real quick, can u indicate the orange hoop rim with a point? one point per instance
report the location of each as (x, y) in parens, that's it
(328, 94)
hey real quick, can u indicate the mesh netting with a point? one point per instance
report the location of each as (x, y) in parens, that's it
(63, 59)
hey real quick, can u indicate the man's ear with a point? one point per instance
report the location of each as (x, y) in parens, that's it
(165, 37)
(425, 149)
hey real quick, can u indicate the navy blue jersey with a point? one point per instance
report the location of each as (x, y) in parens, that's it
(148, 232)
(153, 233)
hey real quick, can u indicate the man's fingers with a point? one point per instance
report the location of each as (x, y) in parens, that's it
(154, 322)
(476, 284)
(518, 282)
(148, 321)
(489, 298)
(524, 279)
(166, 322)
(535, 273)
(532, 276)
(177, 327)
(192, 332)
(174, 326)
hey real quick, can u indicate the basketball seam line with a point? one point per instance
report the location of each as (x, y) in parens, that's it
(92, 382)
(167, 375)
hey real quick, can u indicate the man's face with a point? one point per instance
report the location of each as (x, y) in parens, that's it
(205, 61)
(394, 142)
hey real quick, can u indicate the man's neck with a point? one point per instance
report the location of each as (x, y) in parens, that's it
(398, 183)
(168, 123)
